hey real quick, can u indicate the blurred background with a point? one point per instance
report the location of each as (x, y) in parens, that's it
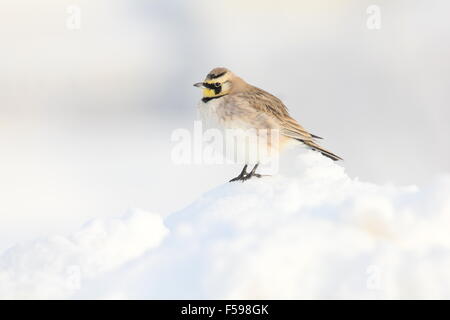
(91, 91)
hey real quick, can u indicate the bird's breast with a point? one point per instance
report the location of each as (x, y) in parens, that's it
(237, 124)
(212, 114)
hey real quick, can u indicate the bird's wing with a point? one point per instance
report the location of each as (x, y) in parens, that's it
(267, 103)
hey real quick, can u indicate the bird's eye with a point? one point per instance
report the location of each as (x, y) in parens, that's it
(217, 84)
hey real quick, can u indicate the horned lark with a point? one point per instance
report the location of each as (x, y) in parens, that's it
(229, 102)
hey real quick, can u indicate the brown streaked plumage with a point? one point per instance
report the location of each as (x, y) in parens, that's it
(228, 98)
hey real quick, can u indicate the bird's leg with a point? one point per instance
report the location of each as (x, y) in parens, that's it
(242, 175)
(252, 173)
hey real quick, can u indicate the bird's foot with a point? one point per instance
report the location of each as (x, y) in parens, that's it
(244, 176)
(241, 176)
(250, 175)
(238, 178)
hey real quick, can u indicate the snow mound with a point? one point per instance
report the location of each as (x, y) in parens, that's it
(55, 267)
(315, 234)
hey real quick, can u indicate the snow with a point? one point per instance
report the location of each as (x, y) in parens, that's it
(53, 267)
(315, 233)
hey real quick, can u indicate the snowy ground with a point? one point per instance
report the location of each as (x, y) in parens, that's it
(316, 233)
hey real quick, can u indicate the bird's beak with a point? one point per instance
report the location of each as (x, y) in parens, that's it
(199, 85)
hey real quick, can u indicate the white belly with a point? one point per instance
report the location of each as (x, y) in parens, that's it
(215, 116)
(240, 143)
(209, 114)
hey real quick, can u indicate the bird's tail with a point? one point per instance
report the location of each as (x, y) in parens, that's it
(314, 146)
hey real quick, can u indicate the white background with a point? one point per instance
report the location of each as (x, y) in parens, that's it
(86, 115)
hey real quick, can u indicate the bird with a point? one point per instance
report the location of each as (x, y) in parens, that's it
(229, 102)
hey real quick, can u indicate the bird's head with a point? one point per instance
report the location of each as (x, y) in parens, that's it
(218, 82)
